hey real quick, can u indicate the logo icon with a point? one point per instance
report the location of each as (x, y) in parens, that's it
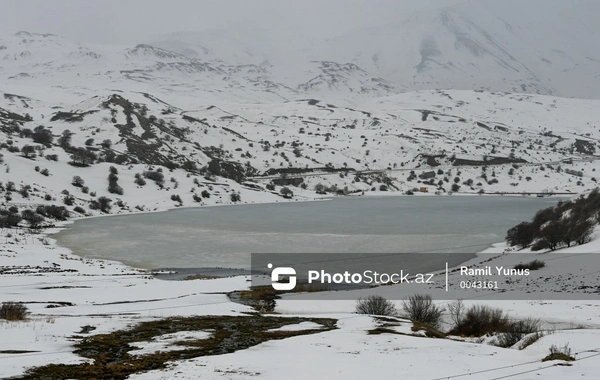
(289, 272)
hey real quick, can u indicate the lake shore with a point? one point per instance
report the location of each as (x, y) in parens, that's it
(218, 237)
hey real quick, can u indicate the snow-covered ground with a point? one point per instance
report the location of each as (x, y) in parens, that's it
(65, 293)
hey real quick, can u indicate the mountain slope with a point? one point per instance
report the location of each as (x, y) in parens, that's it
(443, 141)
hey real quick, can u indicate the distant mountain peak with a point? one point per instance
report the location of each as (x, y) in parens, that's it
(149, 50)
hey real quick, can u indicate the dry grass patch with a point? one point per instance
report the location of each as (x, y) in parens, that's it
(559, 353)
(532, 265)
(13, 311)
(429, 330)
(111, 358)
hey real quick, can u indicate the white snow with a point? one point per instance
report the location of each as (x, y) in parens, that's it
(259, 115)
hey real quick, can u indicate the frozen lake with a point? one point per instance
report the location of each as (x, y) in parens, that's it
(436, 229)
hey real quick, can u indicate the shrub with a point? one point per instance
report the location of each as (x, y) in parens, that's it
(10, 186)
(82, 157)
(24, 191)
(139, 180)
(53, 211)
(481, 319)
(13, 311)
(26, 133)
(155, 176)
(176, 198)
(9, 219)
(235, 197)
(532, 265)
(320, 188)
(517, 331)
(113, 188)
(34, 220)
(197, 198)
(205, 194)
(65, 139)
(286, 192)
(559, 353)
(52, 157)
(270, 186)
(455, 187)
(421, 308)
(106, 144)
(375, 305)
(103, 204)
(189, 165)
(77, 181)
(13, 149)
(41, 135)
(45, 172)
(79, 209)
(28, 151)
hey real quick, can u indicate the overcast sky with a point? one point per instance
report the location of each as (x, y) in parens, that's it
(134, 21)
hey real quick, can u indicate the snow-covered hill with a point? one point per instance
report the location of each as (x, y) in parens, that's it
(443, 141)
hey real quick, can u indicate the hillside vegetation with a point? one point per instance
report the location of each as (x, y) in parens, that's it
(569, 223)
(136, 152)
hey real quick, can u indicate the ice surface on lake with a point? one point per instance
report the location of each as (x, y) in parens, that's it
(224, 236)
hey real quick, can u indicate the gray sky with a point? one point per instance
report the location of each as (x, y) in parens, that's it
(134, 21)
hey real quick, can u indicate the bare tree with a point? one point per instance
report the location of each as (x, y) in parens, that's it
(375, 305)
(456, 310)
(421, 308)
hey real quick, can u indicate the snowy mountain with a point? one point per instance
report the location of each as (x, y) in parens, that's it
(47, 60)
(532, 47)
(539, 47)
